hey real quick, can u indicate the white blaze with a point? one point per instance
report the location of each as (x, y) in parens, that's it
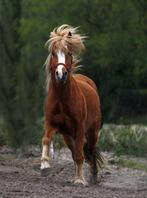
(61, 59)
(59, 69)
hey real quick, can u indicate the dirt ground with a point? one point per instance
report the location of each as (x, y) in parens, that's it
(21, 177)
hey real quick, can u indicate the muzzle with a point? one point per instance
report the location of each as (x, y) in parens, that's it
(61, 73)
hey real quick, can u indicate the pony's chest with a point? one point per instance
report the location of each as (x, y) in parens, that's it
(62, 120)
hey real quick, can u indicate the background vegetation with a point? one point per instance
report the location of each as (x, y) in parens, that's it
(115, 58)
(131, 140)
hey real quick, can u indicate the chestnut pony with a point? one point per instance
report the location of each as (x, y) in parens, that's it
(72, 106)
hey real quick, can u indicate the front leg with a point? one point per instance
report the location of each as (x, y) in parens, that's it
(79, 157)
(46, 140)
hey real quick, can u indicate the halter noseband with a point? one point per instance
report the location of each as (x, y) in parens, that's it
(67, 68)
(60, 64)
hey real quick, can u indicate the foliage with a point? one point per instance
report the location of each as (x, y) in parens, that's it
(115, 58)
(124, 140)
(58, 142)
(3, 134)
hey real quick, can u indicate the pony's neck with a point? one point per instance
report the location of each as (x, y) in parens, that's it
(62, 92)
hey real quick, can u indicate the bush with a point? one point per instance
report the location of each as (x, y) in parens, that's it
(124, 140)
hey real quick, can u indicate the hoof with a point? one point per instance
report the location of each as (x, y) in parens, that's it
(80, 181)
(93, 179)
(44, 165)
(45, 172)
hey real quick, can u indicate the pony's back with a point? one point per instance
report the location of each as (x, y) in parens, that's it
(85, 79)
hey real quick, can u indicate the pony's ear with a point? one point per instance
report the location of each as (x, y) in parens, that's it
(69, 34)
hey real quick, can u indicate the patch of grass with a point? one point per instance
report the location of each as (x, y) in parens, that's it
(132, 164)
(58, 142)
(130, 140)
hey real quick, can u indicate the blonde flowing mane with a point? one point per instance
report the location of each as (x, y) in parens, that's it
(67, 39)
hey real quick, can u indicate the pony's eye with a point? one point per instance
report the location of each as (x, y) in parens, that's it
(53, 53)
(69, 54)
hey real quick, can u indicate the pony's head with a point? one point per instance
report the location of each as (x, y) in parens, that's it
(63, 45)
(61, 65)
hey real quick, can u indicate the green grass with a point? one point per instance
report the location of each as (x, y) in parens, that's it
(58, 142)
(130, 140)
(132, 164)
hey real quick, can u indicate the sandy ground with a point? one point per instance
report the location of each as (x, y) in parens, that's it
(21, 177)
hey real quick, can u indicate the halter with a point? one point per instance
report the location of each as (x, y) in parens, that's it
(60, 64)
(67, 68)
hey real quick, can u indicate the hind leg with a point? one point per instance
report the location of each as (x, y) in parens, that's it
(46, 140)
(90, 150)
(70, 143)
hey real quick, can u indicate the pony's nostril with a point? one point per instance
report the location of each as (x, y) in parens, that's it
(65, 73)
(57, 73)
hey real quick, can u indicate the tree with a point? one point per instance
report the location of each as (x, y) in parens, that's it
(115, 58)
